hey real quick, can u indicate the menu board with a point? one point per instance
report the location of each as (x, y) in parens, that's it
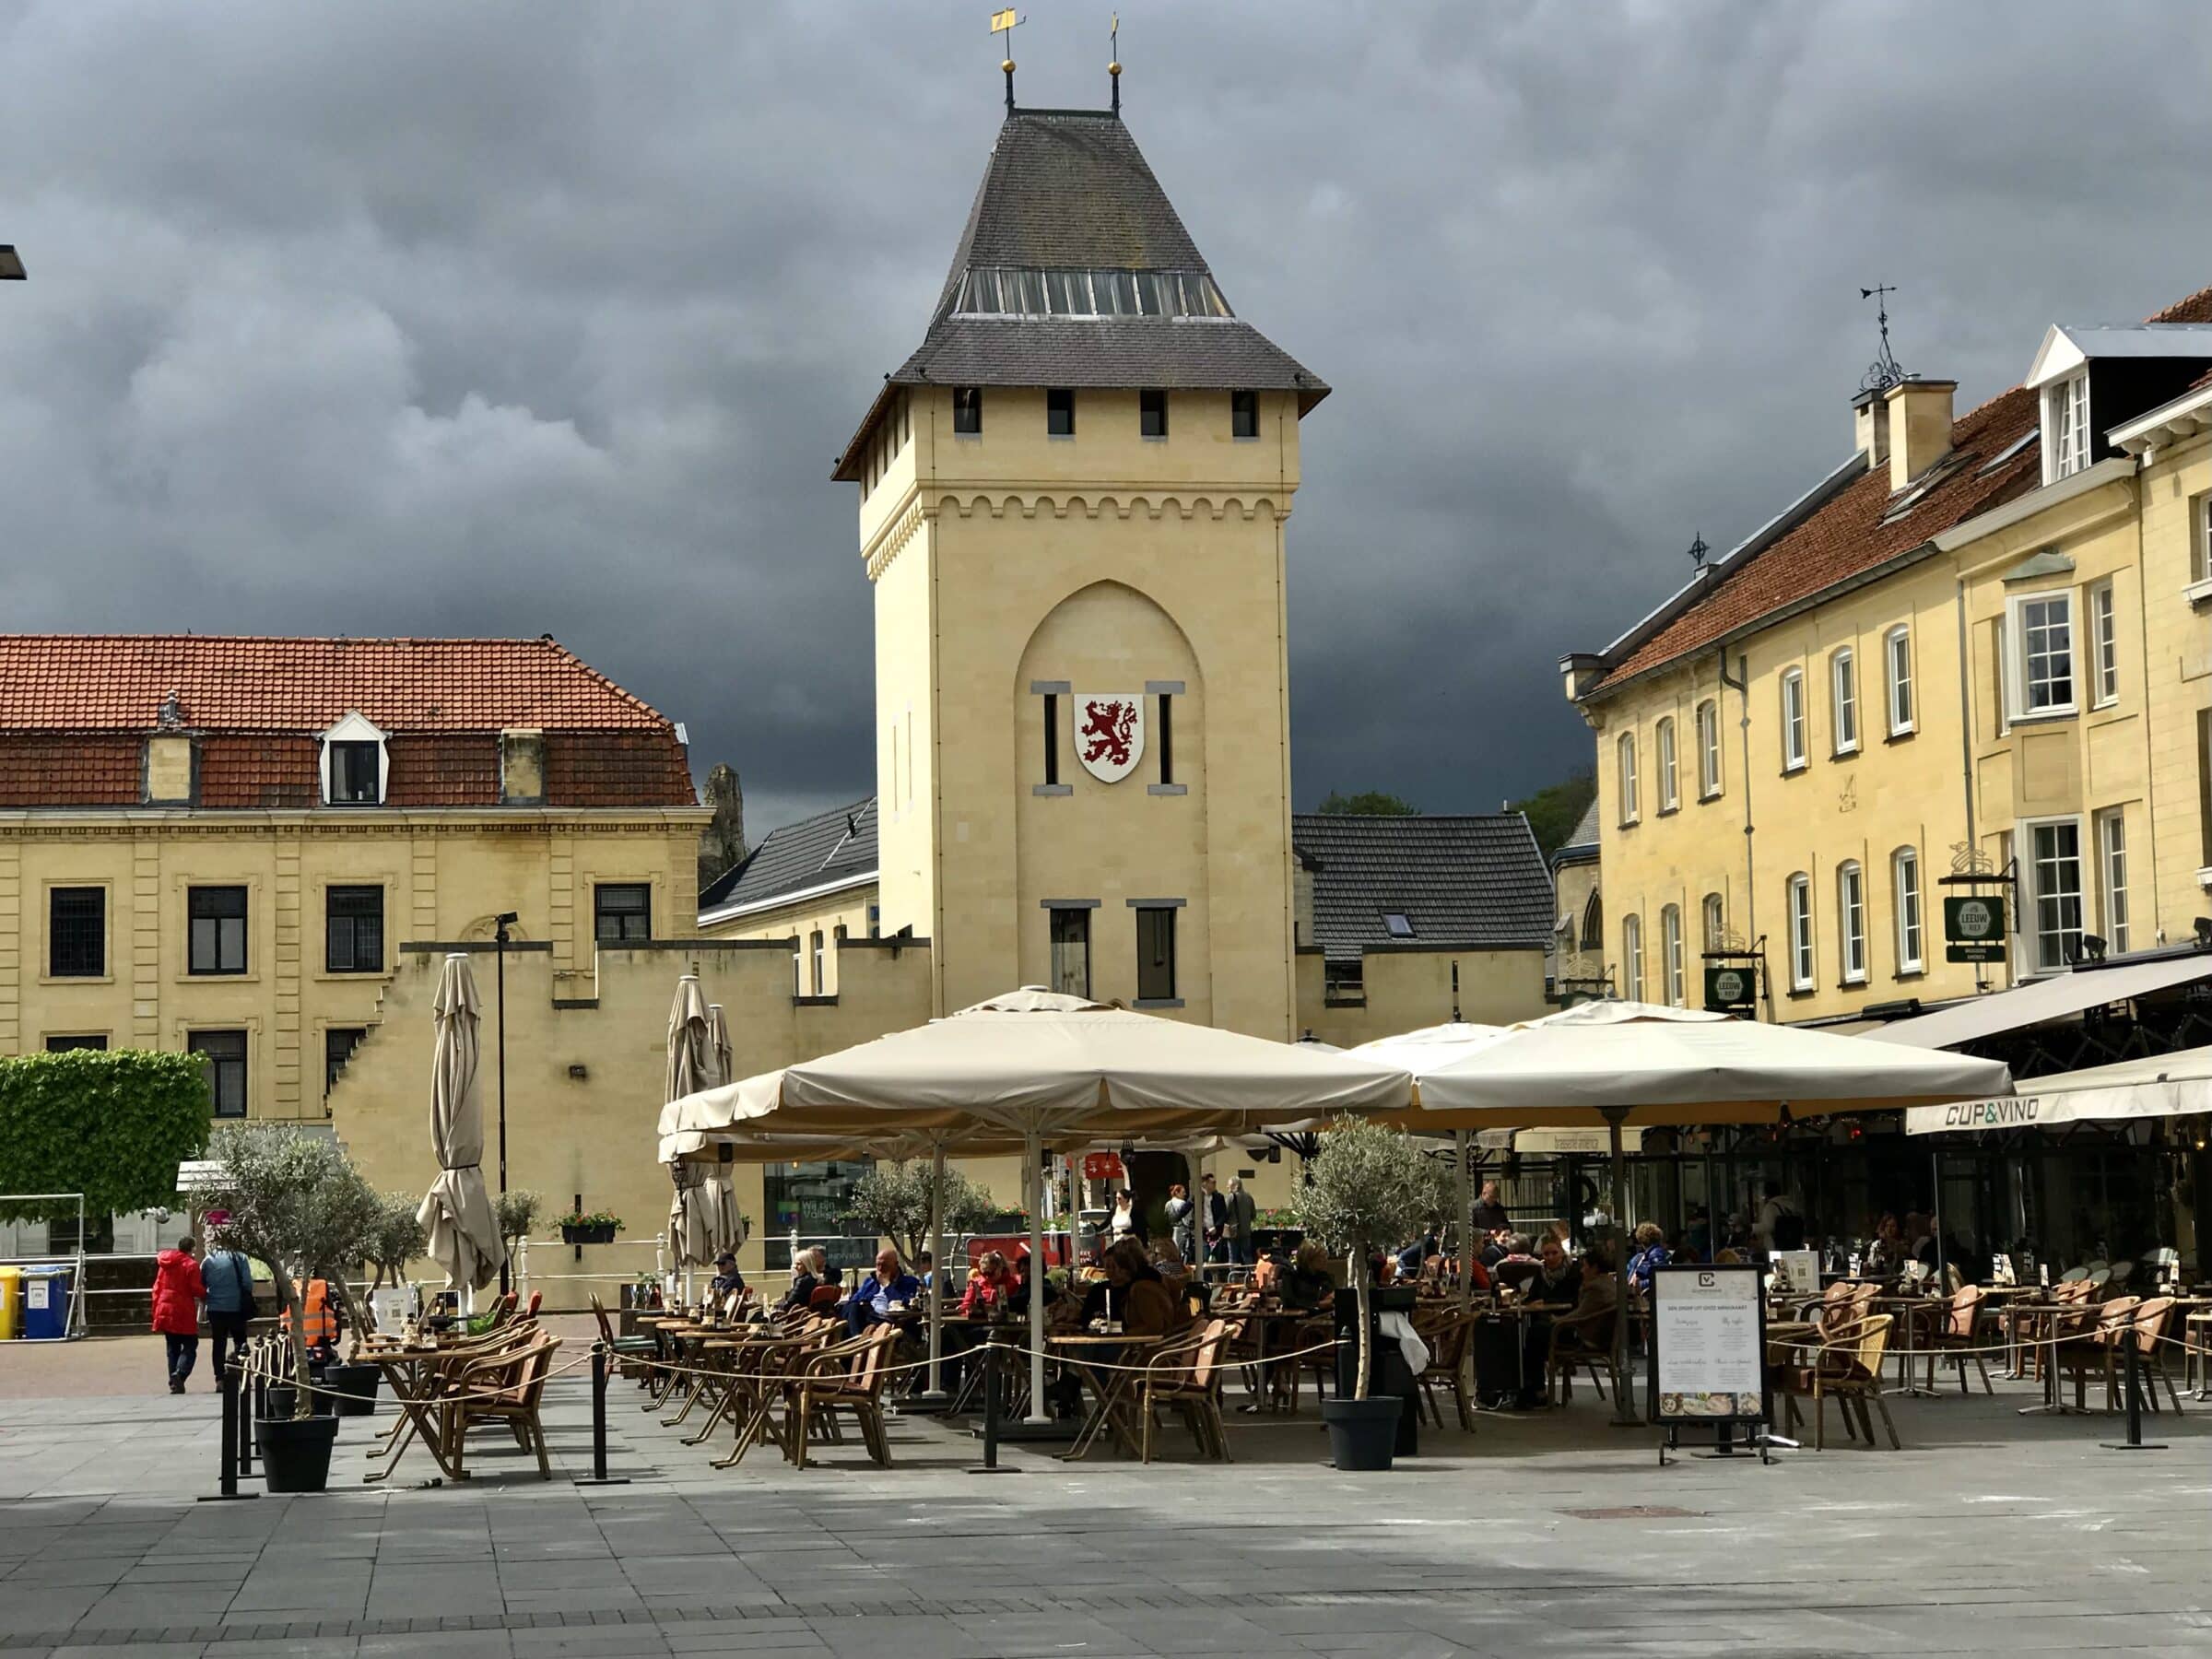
(1797, 1272)
(1708, 1357)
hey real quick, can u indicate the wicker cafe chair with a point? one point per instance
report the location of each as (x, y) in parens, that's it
(1448, 1339)
(627, 1350)
(761, 1368)
(1955, 1339)
(844, 1377)
(1579, 1353)
(2152, 1316)
(2088, 1343)
(1188, 1377)
(499, 1388)
(1846, 1366)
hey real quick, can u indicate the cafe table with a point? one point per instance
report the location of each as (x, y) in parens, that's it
(1261, 1322)
(414, 1375)
(1104, 1362)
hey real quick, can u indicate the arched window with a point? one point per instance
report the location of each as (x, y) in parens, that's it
(1593, 923)
(1904, 886)
(1801, 931)
(1716, 922)
(1632, 957)
(1670, 795)
(1670, 948)
(1628, 813)
(1851, 923)
(1709, 750)
(1897, 662)
(1843, 682)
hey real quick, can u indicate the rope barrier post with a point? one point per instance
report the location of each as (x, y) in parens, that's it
(227, 1465)
(989, 1353)
(2133, 1443)
(241, 1404)
(599, 1476)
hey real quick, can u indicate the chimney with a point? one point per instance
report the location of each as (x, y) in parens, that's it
(1870, 428)
(1919, 428)
(1579, 670)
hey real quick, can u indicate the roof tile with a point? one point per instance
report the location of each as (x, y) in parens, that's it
(1476, 881)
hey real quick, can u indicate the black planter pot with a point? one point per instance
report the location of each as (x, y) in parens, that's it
(1362, 1433)
(295, 1451)
(355, 1387)
(281, 1403)
(587, 1235)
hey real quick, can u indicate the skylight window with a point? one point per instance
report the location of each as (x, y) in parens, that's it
(1017, 291)
(1398, 924)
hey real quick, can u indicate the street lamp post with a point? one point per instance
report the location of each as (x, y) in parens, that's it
(505, 920)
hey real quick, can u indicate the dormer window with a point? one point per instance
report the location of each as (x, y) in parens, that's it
(2066, 426)
(354, 764)
(1397, 924)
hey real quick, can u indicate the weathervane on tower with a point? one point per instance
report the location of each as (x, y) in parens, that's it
(1883, 372)
(1114, 63)
(1005, 22)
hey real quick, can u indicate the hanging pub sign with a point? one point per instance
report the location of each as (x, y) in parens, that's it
(1973, 928)
(1730, 989)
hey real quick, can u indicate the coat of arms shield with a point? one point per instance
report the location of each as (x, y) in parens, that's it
(1110, 733)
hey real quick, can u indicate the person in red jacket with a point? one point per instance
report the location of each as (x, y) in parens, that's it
(178, 1293)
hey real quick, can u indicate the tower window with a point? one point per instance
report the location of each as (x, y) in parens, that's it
(1060, 413)
(1155, 955)
(1052, 738)
(1245, 414)
(1165, 734)
(968, 411)
(1152, 413)
(1071, 951)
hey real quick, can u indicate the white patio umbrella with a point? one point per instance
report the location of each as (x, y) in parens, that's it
(1041, 1065)
(725, 1228)
(690, 1069)
(456, 1213)
(1616, 1062)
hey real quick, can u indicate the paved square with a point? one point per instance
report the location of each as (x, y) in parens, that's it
(1989, 1533)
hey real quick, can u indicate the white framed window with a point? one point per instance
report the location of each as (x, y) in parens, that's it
(2200, 537)
(1897, 663)
(2105, 646)
(1904, 886)
(1627, 749)
(1708, 749)
(1670, 950)
(2112, 866)
(1715, 921)
(1801, 931)
(2052, 932)
(1670, 793)
(1792, 719)
(1851, 923)
(2065, 426)
(355, 766)
(1631, 957)
(1843, 682)
(2038, 656)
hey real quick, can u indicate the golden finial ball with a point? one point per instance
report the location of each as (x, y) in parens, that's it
(1008, 67)
(1114, 68)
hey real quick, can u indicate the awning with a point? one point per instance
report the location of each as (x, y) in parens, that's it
(2041, 1001)
(1553, 1142)
(2162, 1085)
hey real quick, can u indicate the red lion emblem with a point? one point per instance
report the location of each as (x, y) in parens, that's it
(1106, 732)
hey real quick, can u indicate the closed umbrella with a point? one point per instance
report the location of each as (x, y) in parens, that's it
(690, 1069)
(456, 1214)
(1615, 1063)
(725, 1228)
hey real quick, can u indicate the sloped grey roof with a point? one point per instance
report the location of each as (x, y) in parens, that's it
(1473, 881)
(1215, 354)
(1581, 846)
(829, 847)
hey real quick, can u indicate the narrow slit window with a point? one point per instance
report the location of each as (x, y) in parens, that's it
(1052, 738)
(1164, 735)
(1245, 414)
(1152, 413)
(1156, 955)
(968, 411)
(1060, 413)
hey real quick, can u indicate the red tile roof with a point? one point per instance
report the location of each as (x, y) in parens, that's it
(262, 770)
(615, 768)
(1853, 531)
(117, 682)
(37, 768)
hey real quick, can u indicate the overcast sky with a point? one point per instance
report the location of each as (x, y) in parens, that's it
(517, 318)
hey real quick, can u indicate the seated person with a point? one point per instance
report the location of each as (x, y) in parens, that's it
(1266, 1276)
(1557, 1281)
(926, 1269)
(1478, 1275)
(890, 1290)
(1413, 1261)
(1138, 1297)
(727, 1281)
(1018, 1294)
(807, 1269)
(1589, 1328)
(1651, 1252)
(1309, 1284)
(990, 1290)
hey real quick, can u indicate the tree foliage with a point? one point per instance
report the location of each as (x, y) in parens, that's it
(518, 1209)
(1554, 810)
(395, 1238)
(1369, 803)
(112, 1125)
(296, 1201)
(1365, 1189)
(892, 1199)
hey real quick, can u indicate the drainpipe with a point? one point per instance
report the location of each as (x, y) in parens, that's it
(1741, 686)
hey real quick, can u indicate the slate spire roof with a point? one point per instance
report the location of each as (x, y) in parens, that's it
(1067, 194)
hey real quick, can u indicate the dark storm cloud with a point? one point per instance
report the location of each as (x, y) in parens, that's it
(517, 318)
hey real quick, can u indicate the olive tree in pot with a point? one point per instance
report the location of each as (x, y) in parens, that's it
(297, 1202)
(1363, 1190)
(394, 1239)
(893, 1200)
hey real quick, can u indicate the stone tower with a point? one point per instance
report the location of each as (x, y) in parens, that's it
(1072, 499)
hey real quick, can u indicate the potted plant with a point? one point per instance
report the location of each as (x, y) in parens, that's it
(394, 1239)
(296, 1202)
(589, 1227)
(1364, 1190)
(518, 1211)
(1277, 1232)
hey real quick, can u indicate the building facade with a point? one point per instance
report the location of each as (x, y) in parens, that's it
(1975, 649)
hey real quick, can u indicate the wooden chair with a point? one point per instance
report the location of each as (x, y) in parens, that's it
(499, 1388)
(1188, 1377)
(1846, 1366)
(1561, 1360)
(763, 1366)
(2151, 1317)
(844, 1377)
(1448, 1339)
(628, 1350)
(2089, 1343)
(1955, 1338)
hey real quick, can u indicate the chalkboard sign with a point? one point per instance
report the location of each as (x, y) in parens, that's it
(1708, 1345)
